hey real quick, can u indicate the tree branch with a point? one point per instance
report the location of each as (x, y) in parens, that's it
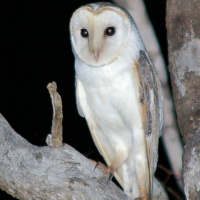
(31, 172)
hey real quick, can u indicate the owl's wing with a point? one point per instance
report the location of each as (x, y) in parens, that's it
(151, 109)
(150, 91)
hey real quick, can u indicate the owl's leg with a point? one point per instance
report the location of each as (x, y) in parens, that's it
(120, 158)
(118, 161)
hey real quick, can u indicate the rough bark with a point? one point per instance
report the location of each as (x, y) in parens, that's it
(183, 26)
(31, 172)
(171, 138)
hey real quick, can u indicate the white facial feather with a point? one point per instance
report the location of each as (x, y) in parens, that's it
(118, 93)
(108, 47)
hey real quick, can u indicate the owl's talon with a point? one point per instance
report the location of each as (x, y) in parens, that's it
(98, 163)
(110, 177)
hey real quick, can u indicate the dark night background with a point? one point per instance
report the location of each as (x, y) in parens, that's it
(36, 50)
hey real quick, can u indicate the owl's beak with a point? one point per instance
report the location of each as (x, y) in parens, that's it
(96, 50)
(96, 55)
(96, 45)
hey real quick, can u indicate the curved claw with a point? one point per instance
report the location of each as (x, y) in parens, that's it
(98, 163)
(110, 177)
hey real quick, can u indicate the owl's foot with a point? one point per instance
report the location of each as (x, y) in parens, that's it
(102, 167)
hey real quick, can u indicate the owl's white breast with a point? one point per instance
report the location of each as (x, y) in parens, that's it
(112, 97)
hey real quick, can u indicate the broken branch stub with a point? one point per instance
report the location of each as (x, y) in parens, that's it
(55, 139)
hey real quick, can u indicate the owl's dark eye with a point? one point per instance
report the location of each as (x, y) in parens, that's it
(110, 31)
(84, 33)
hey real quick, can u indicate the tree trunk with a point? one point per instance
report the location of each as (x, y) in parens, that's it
(183, 26)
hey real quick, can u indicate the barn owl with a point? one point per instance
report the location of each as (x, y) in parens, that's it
(118, 93)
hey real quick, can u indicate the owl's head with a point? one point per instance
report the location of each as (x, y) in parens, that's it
(99, 33)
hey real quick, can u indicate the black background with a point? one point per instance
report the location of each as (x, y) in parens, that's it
(36, 50)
